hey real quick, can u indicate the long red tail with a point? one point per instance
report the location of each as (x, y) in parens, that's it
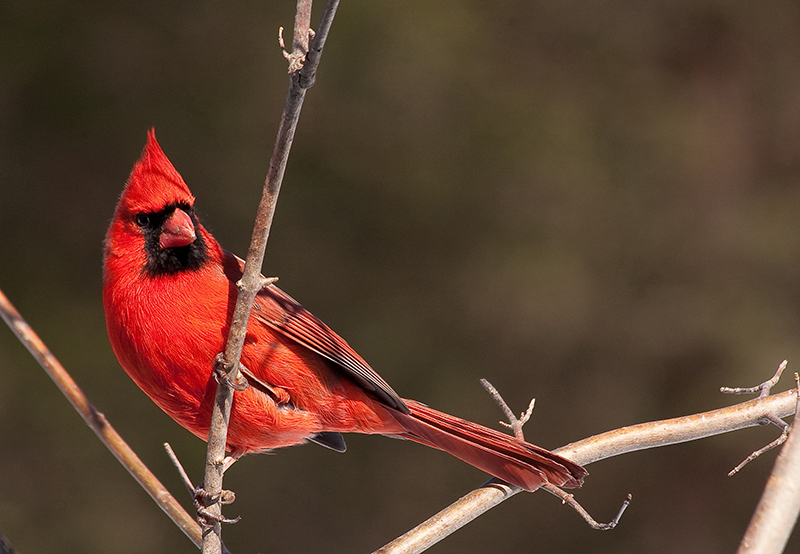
(517, 462)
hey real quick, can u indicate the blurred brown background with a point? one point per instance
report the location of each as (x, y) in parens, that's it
(593, 203)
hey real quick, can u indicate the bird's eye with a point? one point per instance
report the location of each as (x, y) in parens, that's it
(142, 220)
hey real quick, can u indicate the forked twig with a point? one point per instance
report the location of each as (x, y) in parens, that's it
(584, 452)
(763, 391)
(777, 511)
(516, 425)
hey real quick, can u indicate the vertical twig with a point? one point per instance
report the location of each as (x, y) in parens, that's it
(309, 73)
(98, 422)
(252, 281)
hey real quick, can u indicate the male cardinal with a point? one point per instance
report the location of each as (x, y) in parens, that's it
(169, 292)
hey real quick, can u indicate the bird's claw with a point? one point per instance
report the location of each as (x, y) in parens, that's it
(222, 374)
(203, 499)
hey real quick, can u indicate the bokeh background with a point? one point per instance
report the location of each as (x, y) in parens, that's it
(594, 203)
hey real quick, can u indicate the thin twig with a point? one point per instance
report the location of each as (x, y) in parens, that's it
(181, 472)
(252, 281)
(612, 443)
(777, 442)
(514, 423)
(98, 422)
(569, 500)
(762, 389)
(777, 511)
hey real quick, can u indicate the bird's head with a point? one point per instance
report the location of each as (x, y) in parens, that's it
(154, 224)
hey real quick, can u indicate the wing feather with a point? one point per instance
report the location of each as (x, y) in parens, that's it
(282, 313)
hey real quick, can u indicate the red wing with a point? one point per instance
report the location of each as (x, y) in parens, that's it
(284, 314)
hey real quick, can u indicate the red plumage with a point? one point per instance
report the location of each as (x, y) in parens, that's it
(169, 294)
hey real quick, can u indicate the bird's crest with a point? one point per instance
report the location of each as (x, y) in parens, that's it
(154, 182)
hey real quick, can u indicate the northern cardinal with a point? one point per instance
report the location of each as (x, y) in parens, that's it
(169, 292)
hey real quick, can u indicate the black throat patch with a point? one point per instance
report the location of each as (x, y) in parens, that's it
(169, 261)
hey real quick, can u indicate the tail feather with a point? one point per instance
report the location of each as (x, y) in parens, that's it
(517, 462)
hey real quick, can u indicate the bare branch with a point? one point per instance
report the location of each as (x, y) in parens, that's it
(762, 389)
(252, 280)
(514, 423)
(451, 519)
(628, 439)
(309, 73)
(302, 28)
(181, 472)
(98, 422)
(613, 443)
(777, 511)
(569, 500)
(777, 442)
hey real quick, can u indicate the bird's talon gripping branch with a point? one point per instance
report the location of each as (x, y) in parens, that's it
(227, 497)
(202, 500)
(222, 374)
(207, 517)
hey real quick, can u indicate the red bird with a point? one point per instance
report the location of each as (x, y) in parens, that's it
(169, 292)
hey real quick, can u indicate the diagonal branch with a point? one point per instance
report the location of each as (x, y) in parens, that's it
(612, 443)
(515, 424)
(98, 422)
(252, 281)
